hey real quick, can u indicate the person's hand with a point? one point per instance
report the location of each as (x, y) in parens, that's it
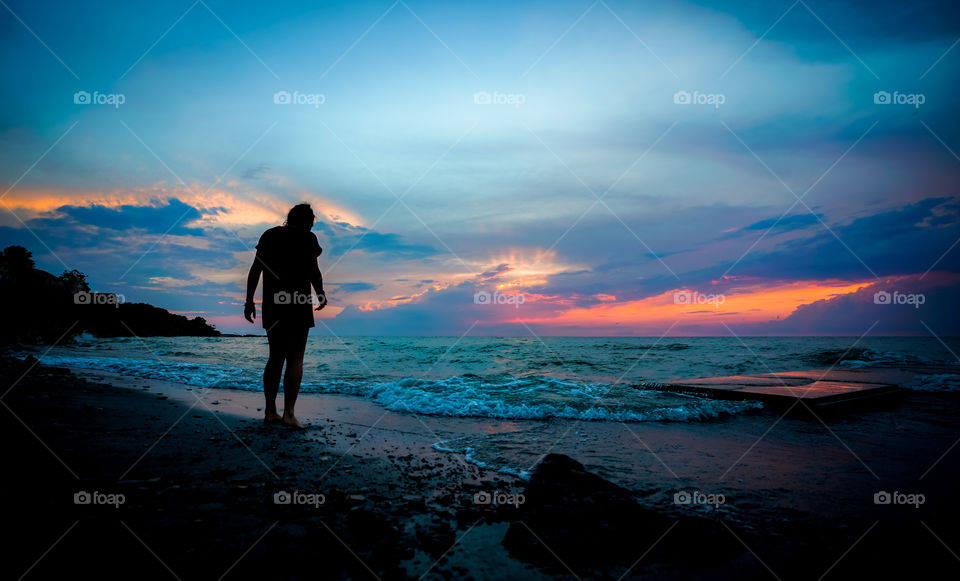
(249, 311)
(321, 300)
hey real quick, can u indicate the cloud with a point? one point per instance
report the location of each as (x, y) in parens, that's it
(433, 313)
(901, 241)
(497, 271)
(255, 172)
(171, 218)
(792, 222)
(799, 101)
(354, 287)
(344, 237)
(855, 313)
(889, 243)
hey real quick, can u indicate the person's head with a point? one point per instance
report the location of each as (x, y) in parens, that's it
(301, 217)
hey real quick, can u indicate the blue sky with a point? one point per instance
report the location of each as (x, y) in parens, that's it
(782, 184)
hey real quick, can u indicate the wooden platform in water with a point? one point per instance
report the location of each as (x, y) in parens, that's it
(818, 388)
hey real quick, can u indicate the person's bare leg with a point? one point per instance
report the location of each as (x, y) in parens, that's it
(271, 380)
(292, 377)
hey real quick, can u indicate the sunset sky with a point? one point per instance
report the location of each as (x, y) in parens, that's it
(540, 148)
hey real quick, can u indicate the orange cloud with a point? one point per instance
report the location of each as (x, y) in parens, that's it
(235, 209)
(756, 303)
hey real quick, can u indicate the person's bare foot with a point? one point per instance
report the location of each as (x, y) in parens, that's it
(272, 418)
(292, 422)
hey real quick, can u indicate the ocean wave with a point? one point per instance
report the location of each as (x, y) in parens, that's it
(836, 356)
(192, 374)
(533, 398)
(530, 397)
(935, 382)
(862, 357)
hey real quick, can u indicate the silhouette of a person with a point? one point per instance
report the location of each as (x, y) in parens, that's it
(287, 259)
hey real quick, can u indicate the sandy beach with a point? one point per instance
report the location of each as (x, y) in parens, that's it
(371, 496)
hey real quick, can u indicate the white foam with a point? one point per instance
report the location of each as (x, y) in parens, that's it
(538, 398)
(495, 396)
(192, 374)
(469, 455)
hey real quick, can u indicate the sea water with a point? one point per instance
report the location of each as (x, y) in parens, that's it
(581, 393)
(520, 378)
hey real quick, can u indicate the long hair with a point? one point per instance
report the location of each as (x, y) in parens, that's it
(301, 217)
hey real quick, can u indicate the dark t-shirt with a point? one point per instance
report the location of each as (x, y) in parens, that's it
(288, 257)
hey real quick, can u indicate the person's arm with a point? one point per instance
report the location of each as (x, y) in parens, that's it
(316, 279)
(253, 279)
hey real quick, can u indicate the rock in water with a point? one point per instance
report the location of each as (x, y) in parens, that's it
(587, 521)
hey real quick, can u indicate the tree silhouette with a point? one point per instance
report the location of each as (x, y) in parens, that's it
(75, 281)
(15, 260)
(45, 308)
